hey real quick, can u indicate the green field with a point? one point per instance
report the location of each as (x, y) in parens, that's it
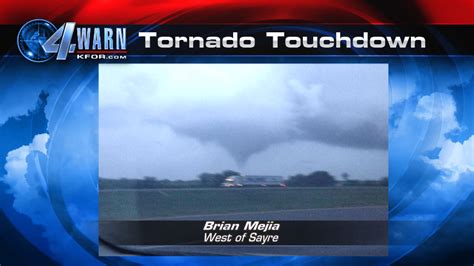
(143, 204)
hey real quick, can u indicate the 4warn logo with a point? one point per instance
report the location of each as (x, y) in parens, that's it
(39, 41)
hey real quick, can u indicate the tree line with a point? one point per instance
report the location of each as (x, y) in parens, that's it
(314, 179)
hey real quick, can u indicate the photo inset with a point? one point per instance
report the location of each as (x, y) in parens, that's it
(243, 142)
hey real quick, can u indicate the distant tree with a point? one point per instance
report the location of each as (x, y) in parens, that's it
(383, 181)
(208, 180)
(321, 178)
(148, 182)
(345, 176)
(318, 178)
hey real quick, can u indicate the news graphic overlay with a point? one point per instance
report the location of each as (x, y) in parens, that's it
(39, 40)
(31, 38)
(243, 133)
(243, 159)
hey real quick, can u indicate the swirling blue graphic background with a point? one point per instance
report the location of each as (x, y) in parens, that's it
(49, 163)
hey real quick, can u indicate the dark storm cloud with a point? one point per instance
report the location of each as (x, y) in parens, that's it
(365, 134)
(246, 109)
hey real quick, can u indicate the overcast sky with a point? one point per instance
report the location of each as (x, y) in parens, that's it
(176, 121)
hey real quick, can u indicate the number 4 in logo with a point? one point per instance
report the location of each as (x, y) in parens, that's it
(60, 41)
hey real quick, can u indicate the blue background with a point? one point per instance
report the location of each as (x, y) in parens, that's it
(54, 219)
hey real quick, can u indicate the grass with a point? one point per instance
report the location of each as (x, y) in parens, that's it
(154, 203)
